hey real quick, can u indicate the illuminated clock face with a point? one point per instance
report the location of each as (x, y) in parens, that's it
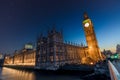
(87, 24)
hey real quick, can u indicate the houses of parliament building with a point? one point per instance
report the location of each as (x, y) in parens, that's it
(52, 52)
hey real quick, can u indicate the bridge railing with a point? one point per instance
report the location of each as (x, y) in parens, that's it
(114, 74)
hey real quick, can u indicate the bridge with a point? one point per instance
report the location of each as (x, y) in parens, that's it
(114, 69)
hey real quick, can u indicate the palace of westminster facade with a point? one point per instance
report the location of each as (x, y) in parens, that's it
(52, 51)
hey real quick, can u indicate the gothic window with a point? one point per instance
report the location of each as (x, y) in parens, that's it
(57, 58)
(88, 31)
(51, 58)
(51, 49)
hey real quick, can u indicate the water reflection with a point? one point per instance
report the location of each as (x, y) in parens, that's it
(14, 74)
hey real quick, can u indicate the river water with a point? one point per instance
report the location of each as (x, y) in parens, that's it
(15, 74)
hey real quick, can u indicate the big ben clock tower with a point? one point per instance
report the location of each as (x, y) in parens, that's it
(93, 48)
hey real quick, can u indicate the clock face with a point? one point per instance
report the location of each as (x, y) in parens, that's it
(87, 24)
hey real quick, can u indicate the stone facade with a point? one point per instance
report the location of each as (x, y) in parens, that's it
(24, 58)
(52, 52)
(93, 48)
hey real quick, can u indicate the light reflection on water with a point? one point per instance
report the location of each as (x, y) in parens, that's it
(14, 74)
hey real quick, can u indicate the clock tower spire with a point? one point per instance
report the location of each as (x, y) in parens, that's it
(93, 48)
(85, 16)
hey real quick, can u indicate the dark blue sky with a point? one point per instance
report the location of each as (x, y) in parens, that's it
(22, 20)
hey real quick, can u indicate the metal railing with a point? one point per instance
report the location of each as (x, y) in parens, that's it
(114, 74)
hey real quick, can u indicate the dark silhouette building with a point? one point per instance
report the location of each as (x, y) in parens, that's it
(118, 48)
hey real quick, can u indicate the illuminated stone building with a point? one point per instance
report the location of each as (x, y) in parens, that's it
(93, 48)
(52, 52)
(24, 57)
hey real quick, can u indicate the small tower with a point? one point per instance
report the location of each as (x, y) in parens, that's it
(93, 48)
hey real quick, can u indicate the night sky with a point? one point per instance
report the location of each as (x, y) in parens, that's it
(21, 21)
